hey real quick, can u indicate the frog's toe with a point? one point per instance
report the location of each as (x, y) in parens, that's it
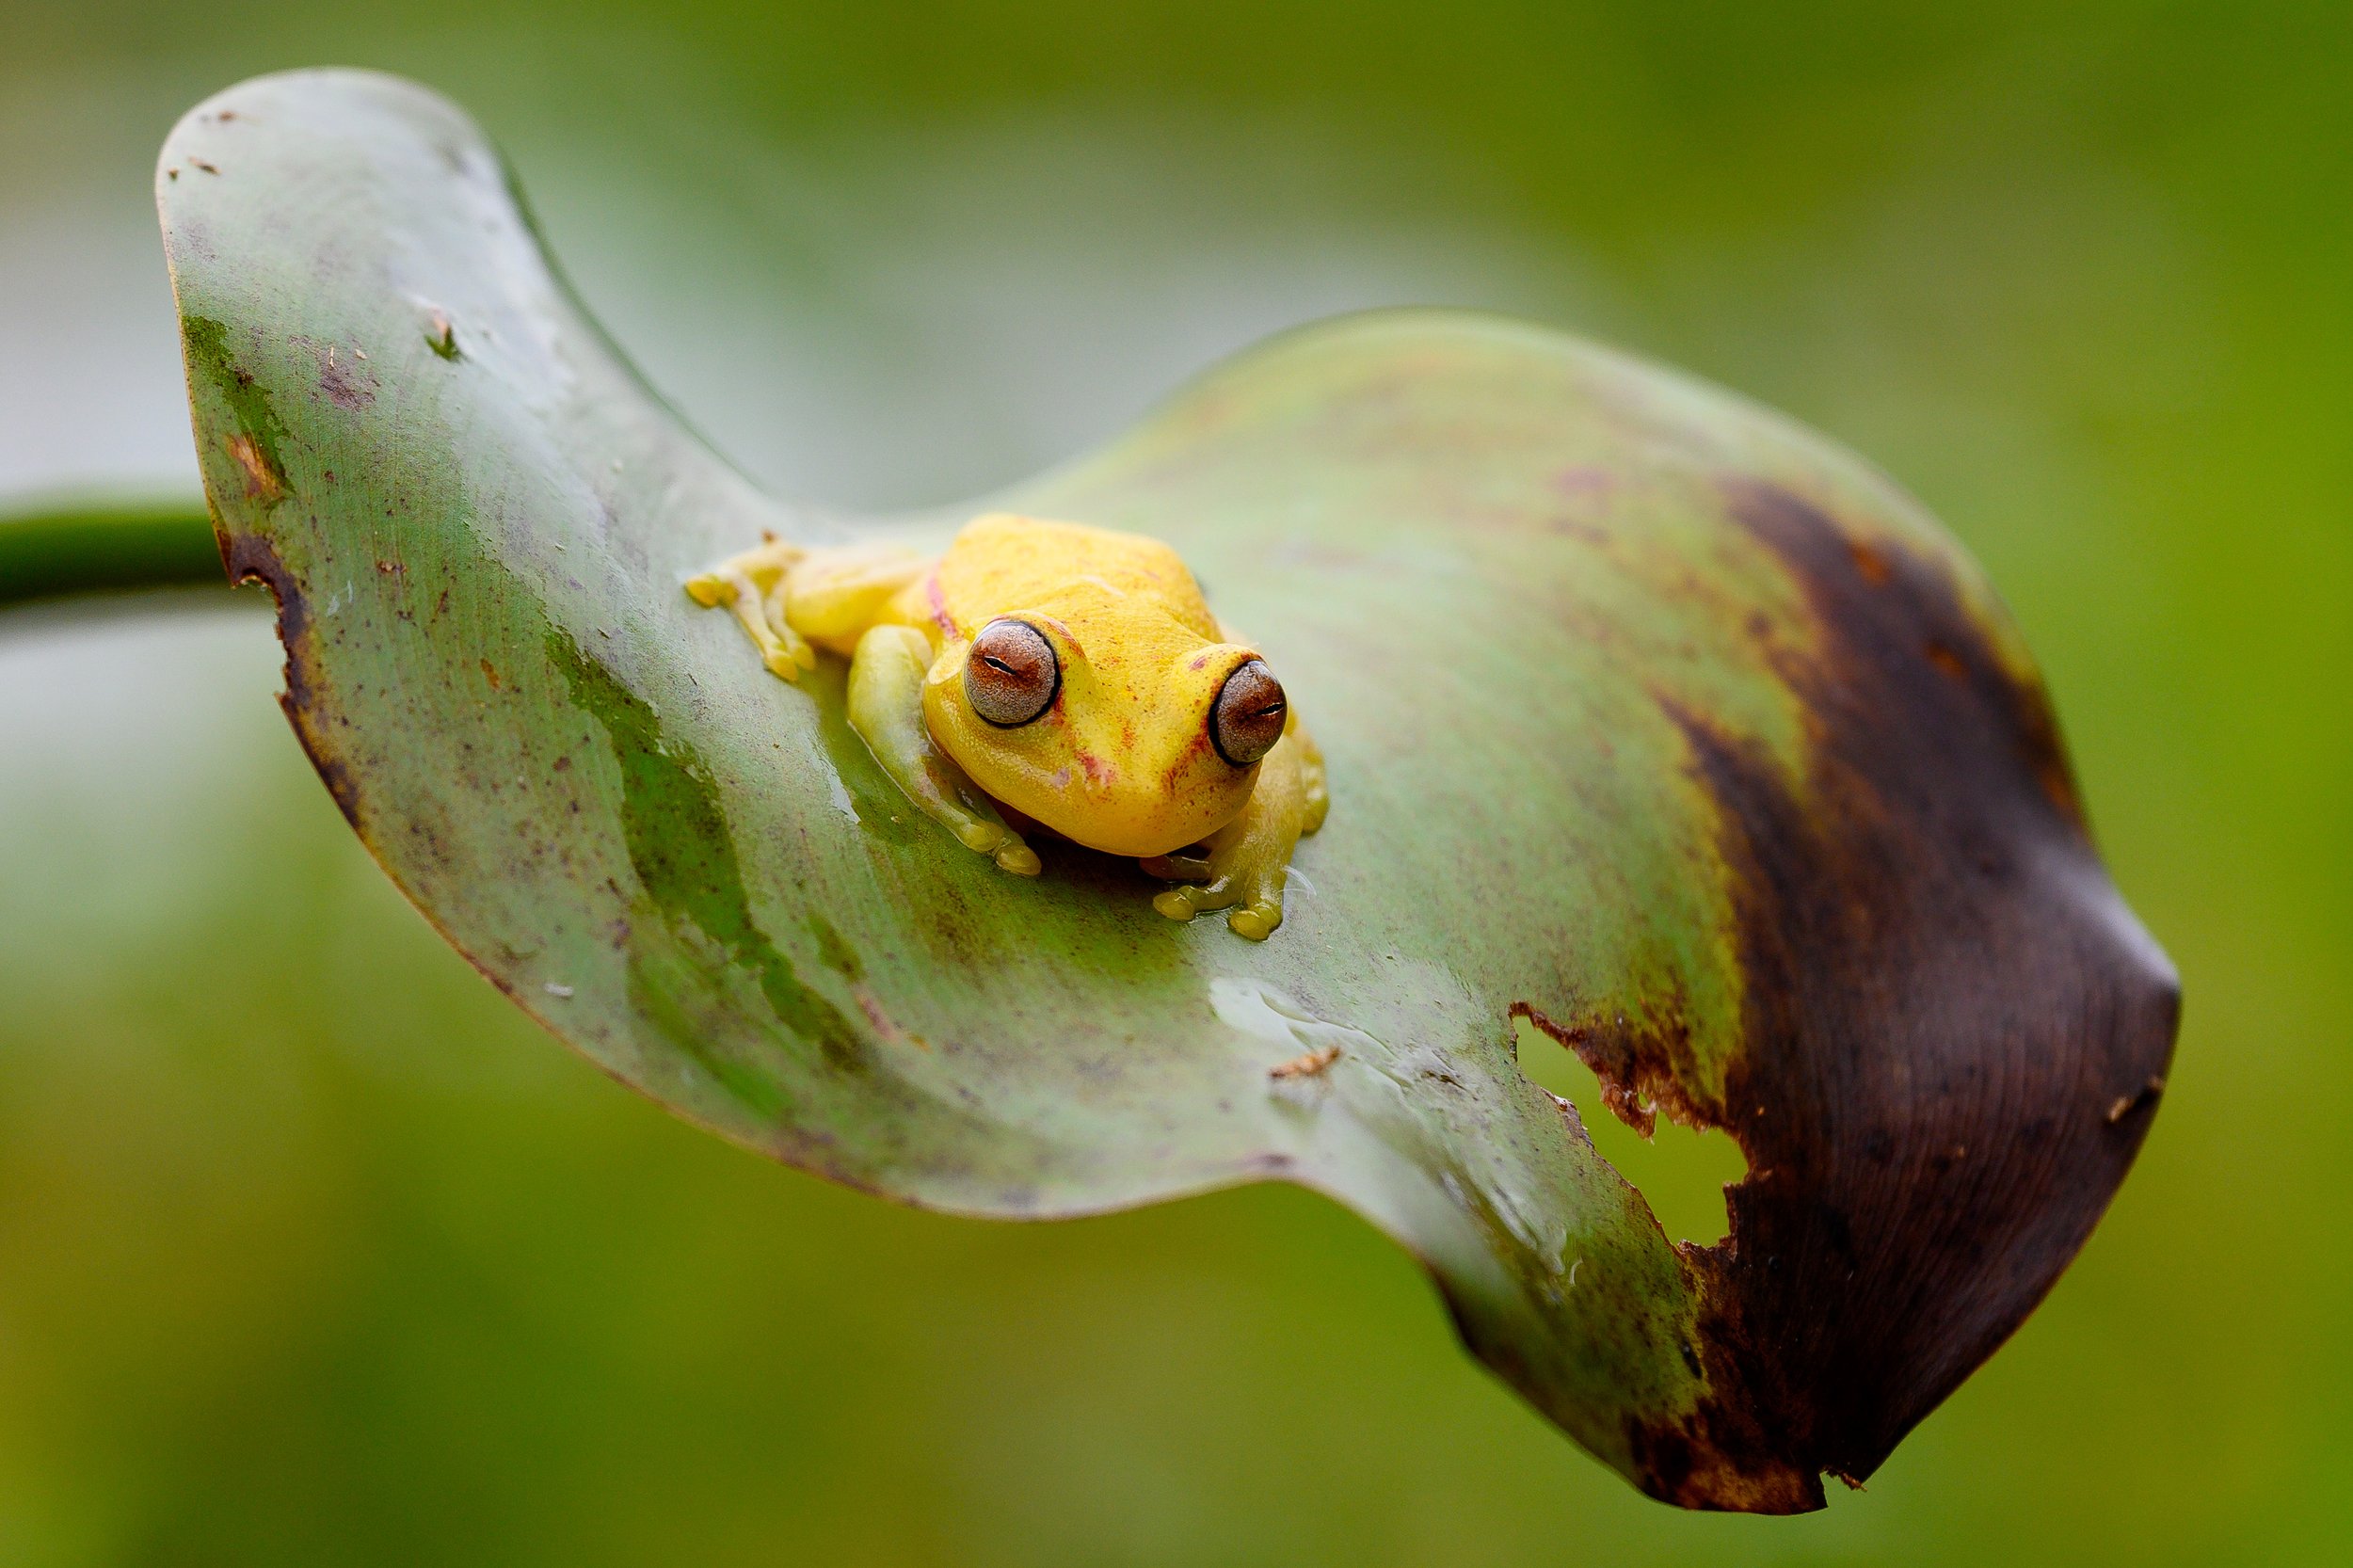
(709, 589)
(1319, 807)
(1255, 920)
(1177, 868)
(1002, 845)
(786, 664)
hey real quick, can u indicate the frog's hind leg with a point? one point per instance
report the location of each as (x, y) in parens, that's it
(755, 587)
(887, 711)
(833, 596)
(1249, 858)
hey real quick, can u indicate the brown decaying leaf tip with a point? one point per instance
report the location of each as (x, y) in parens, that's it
(1943, 998)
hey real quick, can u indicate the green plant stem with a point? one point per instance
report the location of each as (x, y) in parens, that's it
(72, 546)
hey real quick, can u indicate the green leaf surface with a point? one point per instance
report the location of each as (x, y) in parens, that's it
(1650, 717)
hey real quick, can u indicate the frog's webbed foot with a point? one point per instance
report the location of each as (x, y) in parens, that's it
(755, 585)
(1248, 861)
(1253, 892)
(887, 710)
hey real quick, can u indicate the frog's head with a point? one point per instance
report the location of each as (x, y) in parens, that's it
(1106, 719)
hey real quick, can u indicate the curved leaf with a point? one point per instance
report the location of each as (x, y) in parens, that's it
(1648, 717)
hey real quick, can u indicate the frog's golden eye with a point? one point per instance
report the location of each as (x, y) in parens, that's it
(1246, 719)
(1011, 675)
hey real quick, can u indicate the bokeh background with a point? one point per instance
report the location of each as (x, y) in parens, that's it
(312, 1251)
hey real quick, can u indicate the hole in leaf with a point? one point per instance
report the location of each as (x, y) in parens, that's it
(1680, 1172)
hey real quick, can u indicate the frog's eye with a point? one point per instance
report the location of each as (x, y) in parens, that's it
(1246, 719)
(1011, 675)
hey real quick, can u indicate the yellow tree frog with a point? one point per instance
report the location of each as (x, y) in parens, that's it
(1049, 675)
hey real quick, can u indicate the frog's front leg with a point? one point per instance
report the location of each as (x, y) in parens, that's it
(832, 595)
(887, 711)
(1249, 858)
(755, 585)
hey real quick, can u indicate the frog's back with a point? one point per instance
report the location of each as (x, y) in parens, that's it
(1003, 563)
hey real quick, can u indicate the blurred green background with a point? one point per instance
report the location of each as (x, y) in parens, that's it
(311, 1251)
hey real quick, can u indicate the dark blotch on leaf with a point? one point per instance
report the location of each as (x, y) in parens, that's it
(258, 445)
(249, 558)
(680, 848)
(838, 955)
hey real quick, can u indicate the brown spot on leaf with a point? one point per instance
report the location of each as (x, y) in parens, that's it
(262, 482)
(2146, 1095)
(1947, 663)
(250, 559)
(1307, 1064)
(348, 385)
